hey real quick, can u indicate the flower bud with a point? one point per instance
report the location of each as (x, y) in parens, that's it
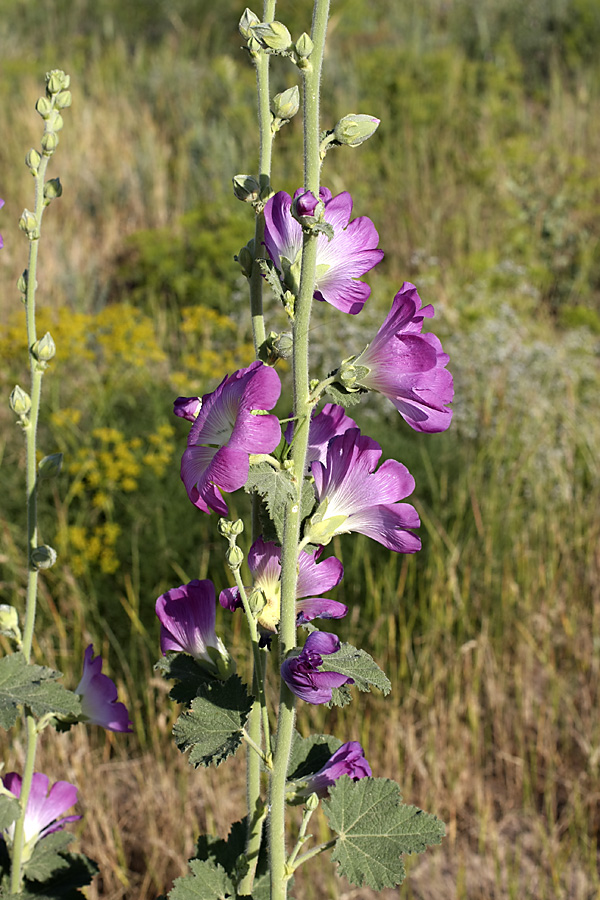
(312, 802)
(32, 160)
(19, 401)
(257, 602)
(304, 46)
(234, 556)
(187, 408)
(28, 224)
(237, 527)
(56, 81)
(273, 35)
(44, 349)
(50, 466)
(247, 20)
(56, 121)
(283, 345)
(49, 142)
(52, 189)
(22, 282)
(9, 622)
(246, 188)
(305, 204)
(286, 104)
(43, 557)
(246, 261)
(43, 107)
(355, 129)
(63, 100)
(224, 527)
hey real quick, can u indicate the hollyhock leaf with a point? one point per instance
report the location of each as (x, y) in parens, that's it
(46, 859)
(10, 809)
(225, 853)
(374, 829)
(275, 487)
(342, 397)
(208, 881)
(212, 728)
(358, 665)
(23, 684)
(310, 754)
(188, 675)
(341, 696)
(64, 884)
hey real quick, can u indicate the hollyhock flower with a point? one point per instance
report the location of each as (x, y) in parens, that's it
(349, 759)
(226, 431)
(340, 261)
(324, 426)
(301, 673)
(99, 696)
(354, 497)
(43, 808)
(187, 408)
(264, 561)
(406, 366)
(187, 623)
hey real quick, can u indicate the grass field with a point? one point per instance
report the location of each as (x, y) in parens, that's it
(483, 183)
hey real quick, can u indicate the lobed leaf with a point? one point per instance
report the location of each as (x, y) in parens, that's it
(10, 809)
(275, 487)
(208, 881)
(47, 859)
(26, 684)
(310, 754)
(212, 727)
(338, 394)
(358, 665)
(185, 671)
(374, 829)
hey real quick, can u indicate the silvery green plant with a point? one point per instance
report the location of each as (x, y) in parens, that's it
(34, 859)
(312, 475)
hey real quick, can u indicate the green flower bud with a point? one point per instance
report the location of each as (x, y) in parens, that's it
(55, 121)
(237, 527)
(45, 349)
(246, 188)
(44, 107)
(246, 22)
(22, 282)
(49, 142)
(56, 81)
(28, 224)
(224, 527)
(50, 466)
(312, 802)
(304, 46)
(355, 129)
(234, 556)
(52, 189)
(257, 602)
(246, 261)
(32, 160)
(273, 35)
(283, 345)
(63, 100)
(9, 622)
(286, 104)
(43, 557)
(19, 401)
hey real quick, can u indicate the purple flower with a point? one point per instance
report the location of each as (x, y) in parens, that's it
(264, 561)
(407, 366)
(99, 696)
(340, 261)
(187, 408)
(187, 623)
(324, 426)
(226, 432)
(354, 497)
(349, 759)
(1, 205)
(43, 808)
(301, 673)
(305, 203)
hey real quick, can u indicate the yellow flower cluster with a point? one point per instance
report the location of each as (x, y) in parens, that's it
(211, 345)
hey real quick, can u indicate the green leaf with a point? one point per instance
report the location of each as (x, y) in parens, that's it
(208, 881)
(338, 394)
(310, 754)
(374, 829)
(358, 665)
(25, 684)
(341, 696)
(10, 809)
(226, 853)
(275, 487)
(65, 884)
(183, 669)
(212, 727)
(47, 860)
(271, 276)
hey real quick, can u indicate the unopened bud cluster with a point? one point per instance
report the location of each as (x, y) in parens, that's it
(58, 97)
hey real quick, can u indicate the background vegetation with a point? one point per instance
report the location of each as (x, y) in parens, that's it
(483, 183)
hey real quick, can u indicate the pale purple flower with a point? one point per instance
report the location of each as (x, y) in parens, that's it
(324, 426)
(349, 759)
(226, 431)
(340, 261)
(187, 623)
(301, 672)
(264, 561)
(353, 496)
(44, 809)
(187, 408)
(407, 366)
(99, 696)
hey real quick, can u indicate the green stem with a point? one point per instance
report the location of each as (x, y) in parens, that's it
(301, 839)
(302, 411)
(18, 840)
(314, 852)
